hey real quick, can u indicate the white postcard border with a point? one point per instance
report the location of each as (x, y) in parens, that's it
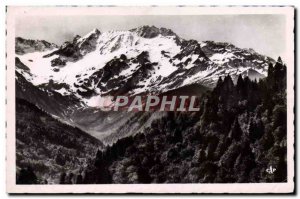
(13, 12)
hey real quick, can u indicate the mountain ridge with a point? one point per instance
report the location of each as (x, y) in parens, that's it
(69, 81)
(204, 56)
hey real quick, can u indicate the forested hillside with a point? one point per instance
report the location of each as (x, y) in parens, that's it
(237, 135)
(46, 147)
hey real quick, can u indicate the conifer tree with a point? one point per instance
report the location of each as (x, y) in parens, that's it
(62, 179)
(235, 132)
(27, 176)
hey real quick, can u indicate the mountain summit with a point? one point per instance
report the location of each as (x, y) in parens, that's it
(152, 31)
(146, 59)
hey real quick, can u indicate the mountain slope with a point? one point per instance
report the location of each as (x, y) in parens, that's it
(47, 146)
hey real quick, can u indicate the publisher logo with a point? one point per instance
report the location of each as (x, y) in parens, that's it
(270, 170)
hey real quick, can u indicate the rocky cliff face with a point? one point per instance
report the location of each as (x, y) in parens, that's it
(24, 46)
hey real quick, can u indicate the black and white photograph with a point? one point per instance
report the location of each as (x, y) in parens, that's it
(174, 99)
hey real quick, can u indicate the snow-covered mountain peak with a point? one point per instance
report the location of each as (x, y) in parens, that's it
(131, 43)
(152, 31)
(95, 33)
(142, 60)
(76, 38)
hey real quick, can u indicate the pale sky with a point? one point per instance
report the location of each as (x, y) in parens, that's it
(264, 33)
